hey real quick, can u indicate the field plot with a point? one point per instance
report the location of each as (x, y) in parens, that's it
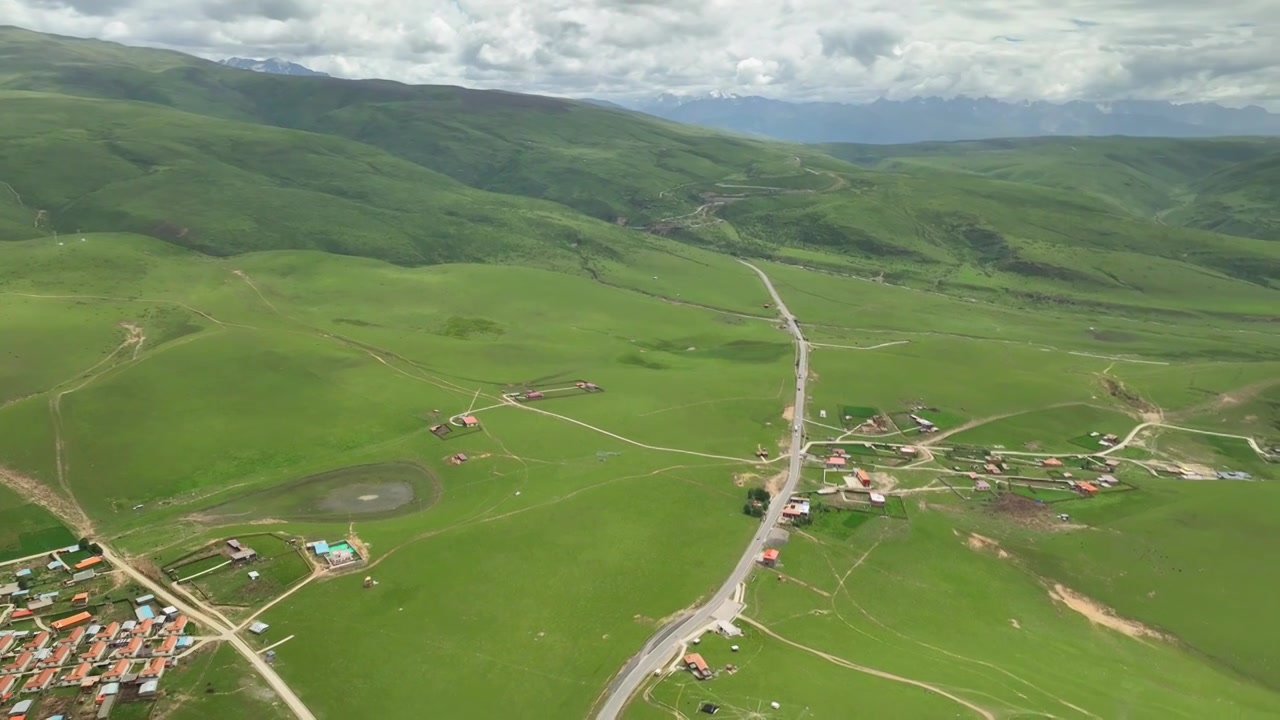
(27, 529)
(1062, 429)
(276, 567)
(216, 682)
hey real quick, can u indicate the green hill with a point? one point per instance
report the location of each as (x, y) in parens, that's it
(1149, 178)
(605, 162)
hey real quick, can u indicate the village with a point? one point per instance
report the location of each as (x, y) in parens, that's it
(72, 645)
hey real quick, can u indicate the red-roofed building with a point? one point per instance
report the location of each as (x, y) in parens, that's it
(80, 600)
(75, 638)
(39, 681)
(836, 461)
(71, 621)
(470, 421)
(144, 628)
(109, 632)
(96, 652)
(77, 676)
(22, 663)
(770, 557)
(863, 477)
(7, 684)
(697, 666)
(129, 650)
(117, 671)
(167, 647)
(154, 669)
(88, 562)
(39, 642)
(1051, 462)
(56, 658)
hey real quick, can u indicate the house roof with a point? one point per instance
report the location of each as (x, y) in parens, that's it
(836, 460)
(88, 562)
(470, 420)
(771, 554)
(695, 659)
(67, 622)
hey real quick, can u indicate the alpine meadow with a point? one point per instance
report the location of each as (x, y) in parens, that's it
(423, 400)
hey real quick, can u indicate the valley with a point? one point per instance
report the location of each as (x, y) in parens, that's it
(520, 401)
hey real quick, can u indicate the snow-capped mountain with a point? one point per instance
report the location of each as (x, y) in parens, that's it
(273, 66)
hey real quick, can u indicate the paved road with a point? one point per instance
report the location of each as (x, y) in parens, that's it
(226, 634)
(662, 646)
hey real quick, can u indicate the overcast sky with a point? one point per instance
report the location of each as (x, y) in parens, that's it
(843, 50)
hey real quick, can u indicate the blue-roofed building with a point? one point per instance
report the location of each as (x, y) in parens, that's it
(149, 687)
(21, 593)
(186, 641)
(55, 565)
(49, 595)
(24, 572)
(21, 708)
(144, 612)
(321, 547)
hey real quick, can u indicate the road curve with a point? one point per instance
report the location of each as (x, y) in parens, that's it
(663, 645)
(225, 633)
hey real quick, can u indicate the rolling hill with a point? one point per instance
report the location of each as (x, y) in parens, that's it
(1225, 185)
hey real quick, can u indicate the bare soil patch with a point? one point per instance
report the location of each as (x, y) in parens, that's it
(1100, 614)
(789, 413)
(37, 493)
(775, 483)
(883, 481)
(984, 543)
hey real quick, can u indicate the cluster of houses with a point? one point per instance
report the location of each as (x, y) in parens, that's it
(1107, 440)
(335, 555)
(923, 425)
(240, 553)
(797, 508)
(18, 600)
(107, 660)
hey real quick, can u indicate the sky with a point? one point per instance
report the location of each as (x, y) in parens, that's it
(836, 50)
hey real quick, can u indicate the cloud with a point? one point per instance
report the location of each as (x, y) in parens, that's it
(794, 49)
(866, 45)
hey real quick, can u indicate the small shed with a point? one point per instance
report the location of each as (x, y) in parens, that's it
(148, 688)
(80, 599)
(533, 395)
(246, 555)
(877, 499)
(1051, 462)
(908, 451)
(258, 628)
(470, 421)
(982, 486)
(233, 544)
(144, 599)
(253, 575)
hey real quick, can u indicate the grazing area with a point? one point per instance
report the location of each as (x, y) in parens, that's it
(456, 394)
(358, 492)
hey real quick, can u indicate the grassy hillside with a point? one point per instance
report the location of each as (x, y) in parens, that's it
(967, 235)
(604, 162)
(223, 187)
(1225, 185)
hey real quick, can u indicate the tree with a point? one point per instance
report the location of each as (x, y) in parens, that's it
(85, 543)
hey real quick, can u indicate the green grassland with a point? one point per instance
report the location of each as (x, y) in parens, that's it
(279, 566)
(216, 682)
(265, 290)
(27, 529)
(1217, 184)
(911, 599)
(1056, 430)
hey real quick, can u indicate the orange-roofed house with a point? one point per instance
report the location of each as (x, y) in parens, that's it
(77, 676)
(21, 613)
(39, 681)
(1087, 488)
(117, 671)
(22, 663)
(167, 647)
(7, 684)
(470, 421)
(80, 600)
(770, 557)
(863, 477)
(154, 669)
(144, 628)
(70, 621)
(177, 627)
(95, 652)
(56, 658)
(835, 461)
(88, 562)
(697, 666)
(75, 638)
(39, 641)
(1051, 462)
(129, 650)
(108, 632)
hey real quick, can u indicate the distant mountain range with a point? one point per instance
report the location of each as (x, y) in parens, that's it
(924, 119)
(273, 66)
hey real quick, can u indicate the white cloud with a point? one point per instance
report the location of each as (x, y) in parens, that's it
(1180, 50)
